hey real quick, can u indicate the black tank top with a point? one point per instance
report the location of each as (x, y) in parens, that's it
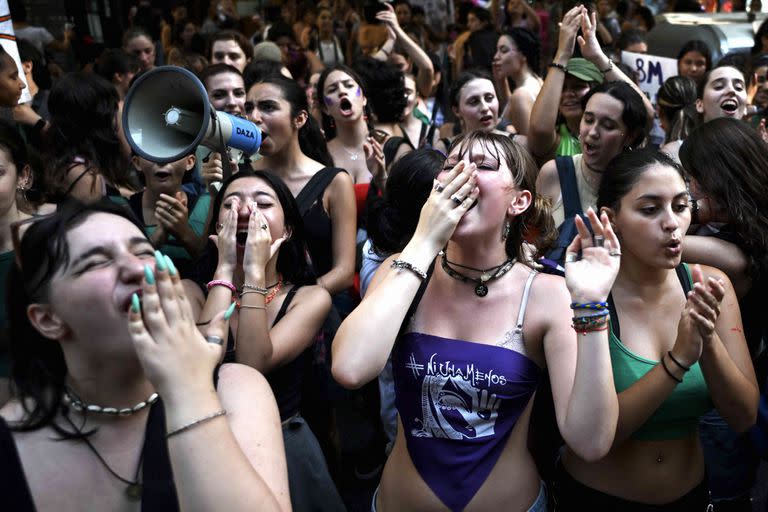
(286, 380)
(159, 491)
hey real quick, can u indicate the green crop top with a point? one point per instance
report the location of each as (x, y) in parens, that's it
(678, 416)
(568, 145)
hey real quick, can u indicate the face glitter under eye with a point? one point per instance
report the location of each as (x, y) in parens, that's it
(358, 92)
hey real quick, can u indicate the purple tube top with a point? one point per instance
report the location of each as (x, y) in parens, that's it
(458, 402)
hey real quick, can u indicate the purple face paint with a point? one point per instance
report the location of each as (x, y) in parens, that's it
(358, 92)
(328, 101)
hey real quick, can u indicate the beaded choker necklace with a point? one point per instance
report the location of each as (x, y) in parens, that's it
(486, 276)
(71, 399)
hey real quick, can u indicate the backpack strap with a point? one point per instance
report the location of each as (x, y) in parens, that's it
(315, 188)
(569, 189)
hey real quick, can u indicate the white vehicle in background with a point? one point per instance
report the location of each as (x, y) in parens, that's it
(722, 32)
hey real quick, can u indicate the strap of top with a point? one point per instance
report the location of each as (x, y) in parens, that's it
(315, 188)
(524, 301)
(683, 275)
(13, 484)
(286, 303)
(416, 299)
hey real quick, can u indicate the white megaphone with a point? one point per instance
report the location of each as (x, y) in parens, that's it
(167, 114)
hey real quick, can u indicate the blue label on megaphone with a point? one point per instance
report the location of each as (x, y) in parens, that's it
(246, 136)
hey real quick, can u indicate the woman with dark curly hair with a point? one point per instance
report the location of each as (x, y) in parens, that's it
(517, 59)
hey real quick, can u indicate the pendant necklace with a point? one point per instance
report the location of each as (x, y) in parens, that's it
(486, 276)
(134, 488)
(352, 155)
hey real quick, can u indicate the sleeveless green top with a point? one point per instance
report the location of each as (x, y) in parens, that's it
(678, 416)
(568, 145)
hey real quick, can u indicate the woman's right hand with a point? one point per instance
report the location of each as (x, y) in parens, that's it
(591, 278)
(441, 213)
(225, 239)
(569, 29)
(176, 357)
(212, 171)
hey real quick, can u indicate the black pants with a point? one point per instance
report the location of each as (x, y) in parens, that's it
(569, 494)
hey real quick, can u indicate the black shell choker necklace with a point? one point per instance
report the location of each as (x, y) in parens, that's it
(486, 275)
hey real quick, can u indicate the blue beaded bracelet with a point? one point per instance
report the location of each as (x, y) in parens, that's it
(589, 305)
(599, 314)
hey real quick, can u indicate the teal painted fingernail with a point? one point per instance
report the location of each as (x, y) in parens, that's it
(149, 275)
(160, 261)
(230, 310)
(171, 267)
(135, 306)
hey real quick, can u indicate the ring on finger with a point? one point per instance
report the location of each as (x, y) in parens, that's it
(571, 257)
(458, 200)
(263, 226)
(439, 187)
(216, 340)
(615, 253)
(169, 208)
(599, 240)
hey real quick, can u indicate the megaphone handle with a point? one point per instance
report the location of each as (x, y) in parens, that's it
(226, 168)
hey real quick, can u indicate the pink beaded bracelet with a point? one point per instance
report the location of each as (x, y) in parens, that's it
(221, 282)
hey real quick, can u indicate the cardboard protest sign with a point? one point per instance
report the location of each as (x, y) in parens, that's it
(650, 71)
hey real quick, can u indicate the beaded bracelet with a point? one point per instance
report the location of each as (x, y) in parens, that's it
(221, 282)
(600, 314)
(589, 305)
(257, 289)
(678, 363)
(590, 322)
(672, 375)
(195, 423)
(400, 264)
(559, 66)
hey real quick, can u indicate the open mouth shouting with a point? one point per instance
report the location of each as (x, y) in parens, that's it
(345, 107)
(729, 106)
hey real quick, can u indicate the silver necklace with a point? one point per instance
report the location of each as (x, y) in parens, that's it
(352, 155)
(71, 399)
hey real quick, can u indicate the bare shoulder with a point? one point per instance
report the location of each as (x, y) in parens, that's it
(242, 385)
(548, 182)
(716, 273)
(313, 294)
(547, 288)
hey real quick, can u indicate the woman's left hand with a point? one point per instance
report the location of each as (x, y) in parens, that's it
(374, 159)
(259, 247)
(591, 278)
(176, 358)
(590, 47)
(705, 299)
(389, 18)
